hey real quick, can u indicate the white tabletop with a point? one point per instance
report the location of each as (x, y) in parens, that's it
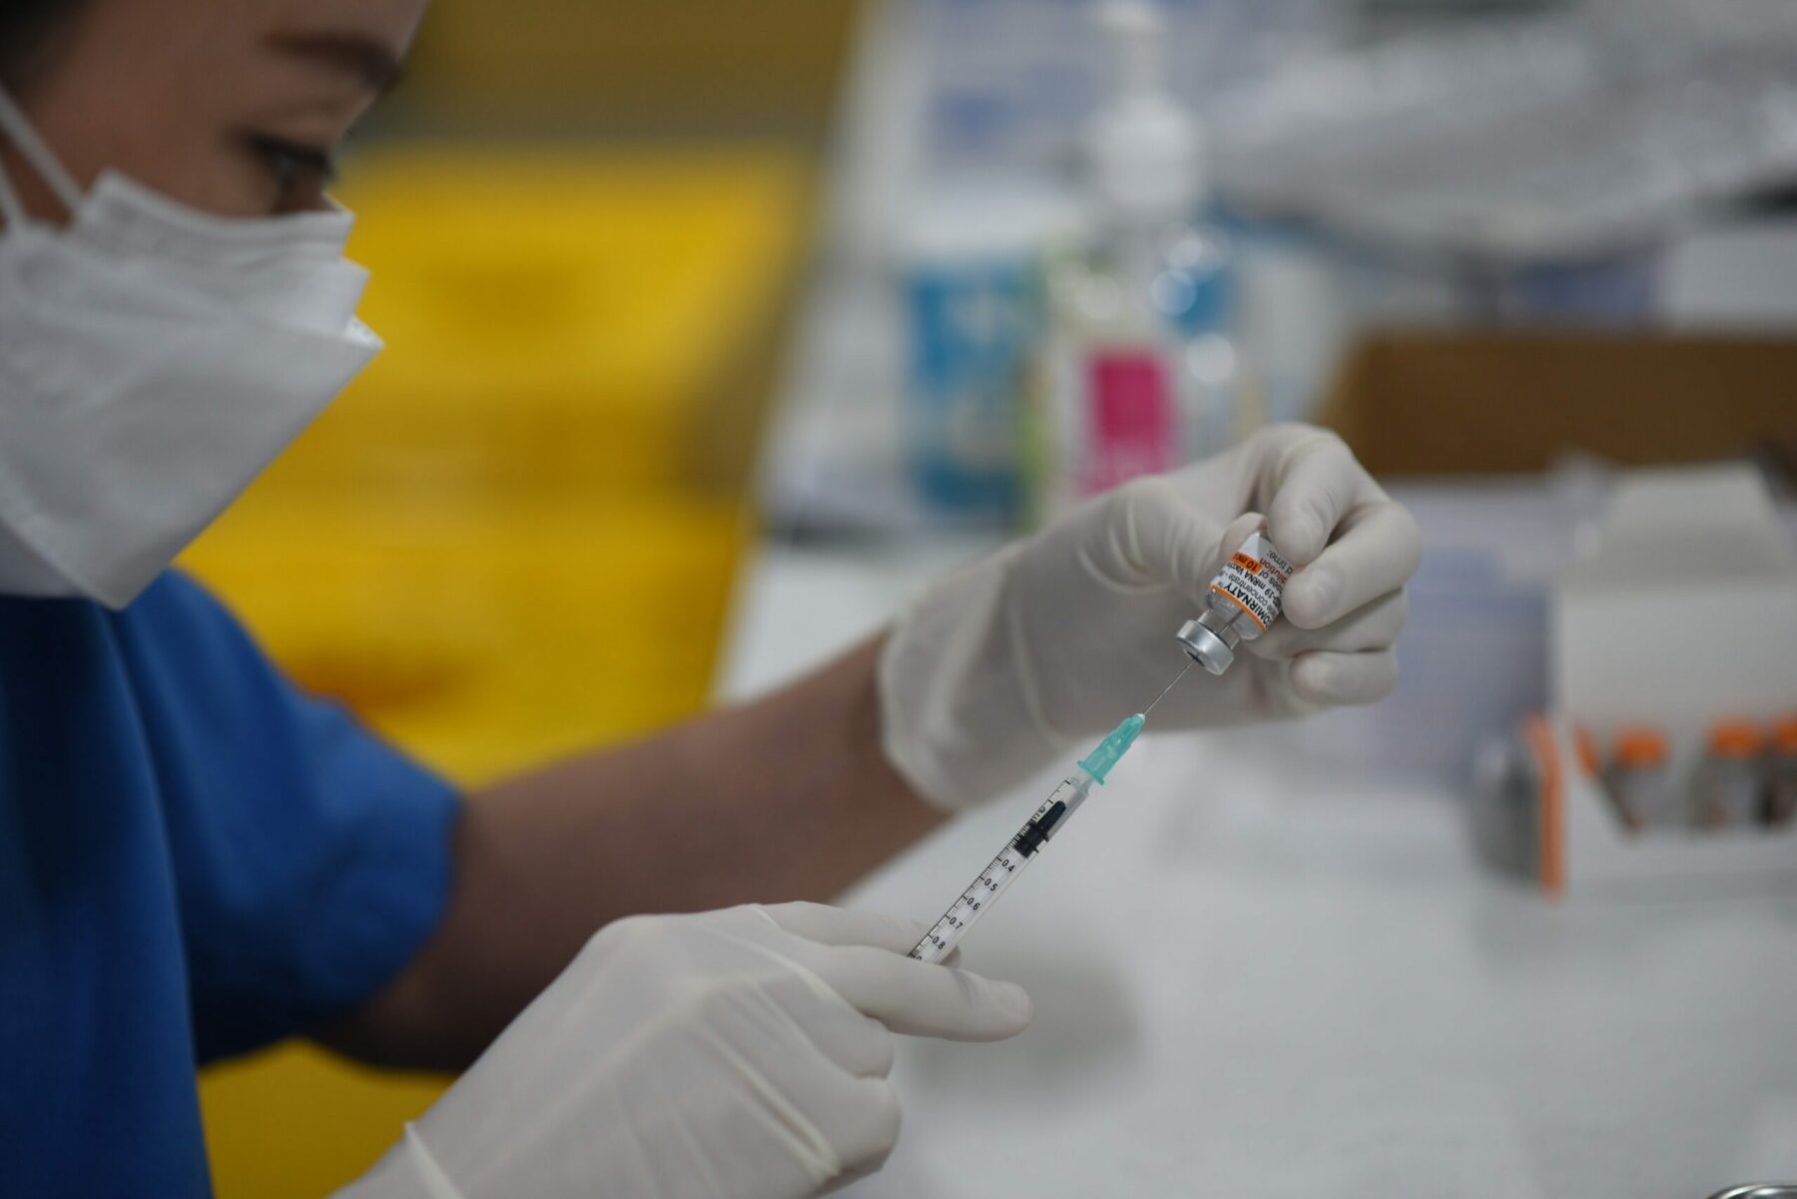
(1251, 981)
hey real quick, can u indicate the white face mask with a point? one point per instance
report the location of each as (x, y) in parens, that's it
(153, 360)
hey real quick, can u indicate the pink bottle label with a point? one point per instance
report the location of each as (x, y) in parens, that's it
(1131, 422)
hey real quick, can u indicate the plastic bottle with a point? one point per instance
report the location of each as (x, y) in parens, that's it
(1138, 367)
(969, 276)
(1639, 782)
(1728, 788)
(1506, 808)
(1781, 783)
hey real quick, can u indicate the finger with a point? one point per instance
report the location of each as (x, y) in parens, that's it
(1187, 561)
(795, 1001)
(862, 1125)
(1371, 626)
(1331, 679)
(1154, 535)
(919, 999)
(1319, 484)
(827, 1119)
(1238, 531)
(1376, 552)
(860, 1045)
(830, 925)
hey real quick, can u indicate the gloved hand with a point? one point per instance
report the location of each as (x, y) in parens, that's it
(738, 1053)
(994, 671)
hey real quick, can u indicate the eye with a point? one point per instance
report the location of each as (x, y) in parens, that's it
(301, 172)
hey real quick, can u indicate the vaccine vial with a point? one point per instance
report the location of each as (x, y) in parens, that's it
(1242, 603)
(1639, 782)
(1506, 812)
(1781, 782)
(1590, 765)
(1728, 786)
(1590, 762)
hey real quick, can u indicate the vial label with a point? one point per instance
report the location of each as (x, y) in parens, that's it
(1254, 578)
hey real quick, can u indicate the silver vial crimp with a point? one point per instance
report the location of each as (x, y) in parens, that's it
(1210, 640)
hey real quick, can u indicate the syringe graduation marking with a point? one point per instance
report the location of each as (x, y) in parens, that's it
(1036, 832)
(991, 882)
(1040, 828)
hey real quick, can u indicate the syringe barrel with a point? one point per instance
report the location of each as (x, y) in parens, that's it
(979, 895)
(1002, 870)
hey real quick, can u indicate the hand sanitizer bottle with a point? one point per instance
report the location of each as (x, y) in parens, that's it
(1136, 366)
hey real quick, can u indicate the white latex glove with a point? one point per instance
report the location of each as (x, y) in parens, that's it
(739, 1053)
(1054, 639)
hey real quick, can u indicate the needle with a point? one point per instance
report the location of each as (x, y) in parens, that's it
(1167, 688)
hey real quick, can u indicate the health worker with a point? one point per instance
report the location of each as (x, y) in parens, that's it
(197, 859)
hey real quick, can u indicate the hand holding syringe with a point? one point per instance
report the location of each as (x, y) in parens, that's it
(1243, 601)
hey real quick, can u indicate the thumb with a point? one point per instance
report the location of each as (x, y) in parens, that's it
(1238, 531)
(1151, 536)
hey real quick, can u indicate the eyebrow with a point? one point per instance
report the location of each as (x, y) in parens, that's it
(377, 66)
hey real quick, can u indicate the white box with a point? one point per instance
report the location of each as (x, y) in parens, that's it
(1683, 613)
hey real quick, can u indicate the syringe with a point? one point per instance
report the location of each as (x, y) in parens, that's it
(1241, 602)
(1021, 849)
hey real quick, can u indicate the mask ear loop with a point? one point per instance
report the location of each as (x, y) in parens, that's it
(42, 159)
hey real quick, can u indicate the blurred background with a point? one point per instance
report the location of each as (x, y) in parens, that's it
(673, 290)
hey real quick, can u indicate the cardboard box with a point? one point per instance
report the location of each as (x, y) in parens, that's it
(1482, 403)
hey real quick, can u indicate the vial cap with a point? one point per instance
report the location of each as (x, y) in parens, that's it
(1784, 733)
(1205, 647)
(1735, 738)
(1640, 745)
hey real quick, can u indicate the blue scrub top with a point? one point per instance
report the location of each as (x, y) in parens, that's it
(195, 859)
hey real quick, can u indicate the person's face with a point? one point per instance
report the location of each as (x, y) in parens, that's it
(231, 106)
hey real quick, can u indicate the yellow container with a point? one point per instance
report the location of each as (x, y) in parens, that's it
(486, 642)
(556, 319)
(632, 63)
